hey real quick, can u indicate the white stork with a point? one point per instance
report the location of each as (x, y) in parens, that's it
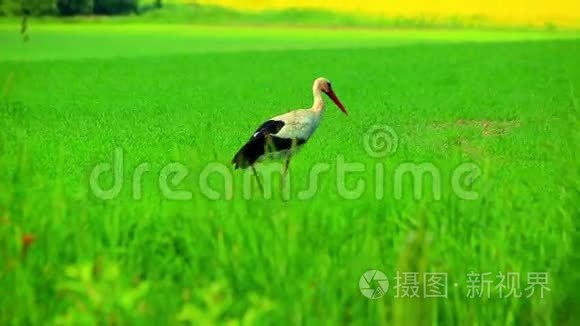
(283, 135)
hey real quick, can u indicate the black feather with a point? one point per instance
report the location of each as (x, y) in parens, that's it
(269, 127)
(264, 141)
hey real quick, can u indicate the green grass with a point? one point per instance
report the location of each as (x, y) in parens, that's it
(80, 41)
(195, 95)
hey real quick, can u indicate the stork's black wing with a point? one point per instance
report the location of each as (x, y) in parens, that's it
(261, 142)
(256, 146)
(270, 127)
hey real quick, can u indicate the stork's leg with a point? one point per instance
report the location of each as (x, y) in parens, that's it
(286, 167)
(285, 172)
(258, 179)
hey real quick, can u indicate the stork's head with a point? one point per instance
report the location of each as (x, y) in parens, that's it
(322, 84)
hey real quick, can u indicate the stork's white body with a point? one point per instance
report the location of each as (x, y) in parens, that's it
(298, 124)
(283, 135)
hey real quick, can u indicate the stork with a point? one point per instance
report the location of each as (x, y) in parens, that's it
(280, 137)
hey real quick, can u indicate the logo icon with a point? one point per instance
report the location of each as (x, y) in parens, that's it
(380, 141)
(373, 284)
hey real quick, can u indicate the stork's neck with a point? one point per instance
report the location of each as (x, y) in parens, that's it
(318, 104)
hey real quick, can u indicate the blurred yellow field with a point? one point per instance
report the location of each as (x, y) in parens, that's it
(565, 13)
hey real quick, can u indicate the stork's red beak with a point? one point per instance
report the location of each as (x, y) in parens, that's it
(336, 101)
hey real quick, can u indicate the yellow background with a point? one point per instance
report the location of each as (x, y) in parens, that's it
(536, 12)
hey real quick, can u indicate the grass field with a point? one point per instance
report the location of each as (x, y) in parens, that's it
(74, 96)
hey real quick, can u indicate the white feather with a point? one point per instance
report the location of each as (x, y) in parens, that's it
(298, 124)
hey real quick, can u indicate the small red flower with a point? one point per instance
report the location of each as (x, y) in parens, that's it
(27, 240)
